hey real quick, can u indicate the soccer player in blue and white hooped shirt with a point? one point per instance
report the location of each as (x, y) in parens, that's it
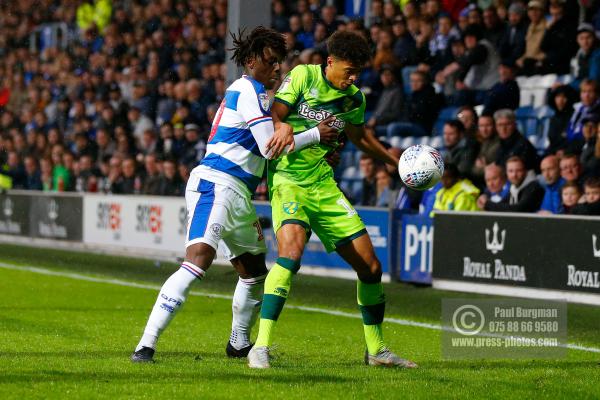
(219, 189)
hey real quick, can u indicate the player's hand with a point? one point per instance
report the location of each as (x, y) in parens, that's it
(333, 158)
(283, 136)
(328, 133)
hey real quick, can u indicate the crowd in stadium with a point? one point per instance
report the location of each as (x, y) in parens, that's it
(122, 98)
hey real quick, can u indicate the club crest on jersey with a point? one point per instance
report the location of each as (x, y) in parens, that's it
(290, 207)
(216, 230)
(304, 110)
(263, 100)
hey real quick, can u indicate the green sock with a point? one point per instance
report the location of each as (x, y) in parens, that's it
(371, 301)
(277, 288)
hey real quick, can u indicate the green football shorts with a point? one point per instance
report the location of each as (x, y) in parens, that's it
(321, 207)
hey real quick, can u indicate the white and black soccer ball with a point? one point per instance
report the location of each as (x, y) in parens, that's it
(421, 167)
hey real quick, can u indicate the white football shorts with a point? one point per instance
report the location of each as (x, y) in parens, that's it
(222, 218)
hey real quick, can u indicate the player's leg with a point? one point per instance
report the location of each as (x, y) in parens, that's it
(247, 300)
(340, 228)
(246, 250)
(204, 232)
(291, 225)
(359, 253)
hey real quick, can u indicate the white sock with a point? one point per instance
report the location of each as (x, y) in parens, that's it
(170, 299)
(247, 300)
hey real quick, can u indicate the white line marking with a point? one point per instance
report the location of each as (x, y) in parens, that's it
(120, 282)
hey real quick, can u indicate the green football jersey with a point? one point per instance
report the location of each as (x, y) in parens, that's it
(311, 99)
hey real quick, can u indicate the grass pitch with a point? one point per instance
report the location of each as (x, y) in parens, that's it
(65, 337)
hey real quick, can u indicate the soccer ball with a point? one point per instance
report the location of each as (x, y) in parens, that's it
(421, 167)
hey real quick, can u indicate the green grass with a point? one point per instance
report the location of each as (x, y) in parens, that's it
(67, 338)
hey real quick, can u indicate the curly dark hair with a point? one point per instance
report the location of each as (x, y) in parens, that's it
(254, 44)
(349, 46)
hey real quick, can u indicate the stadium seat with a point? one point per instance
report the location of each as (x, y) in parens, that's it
(423, 140)
(436, 142)
(527, 121)
(478, 109)
(546, 81)
(396, 141)
(351, 172)
(544, 114)
(446, 114)
(407, 142)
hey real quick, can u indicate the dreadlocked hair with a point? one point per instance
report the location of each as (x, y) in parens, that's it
(349, 46)
(254, 44)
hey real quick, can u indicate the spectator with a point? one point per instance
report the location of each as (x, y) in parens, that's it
(61, 176)
(15, 170)
(488, 145)
(389, 103)
(504, 94)
(457, 149)
(87, 179)
(530, 62)
(494, 26)
(570, 195)
(526, 194)
(405, 47)
(367, 195)
(170, 183)
(591, 205)
(570, 168)
(384, 190)
(512, 142)
(422, 107)
(512, 43)
(497, 189)
(478, 68)
(105, 145)
(456, 194)
(139, 122)
(588, 106)
(33, 175)
(558, 43)
(468, 117)
(152, 176)
(46, 169)
(586, 63)
(128, 182)
(561, 101)
(194, 147)
(553, 183)
(384, 54)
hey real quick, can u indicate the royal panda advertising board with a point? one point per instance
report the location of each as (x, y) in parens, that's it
(558, 253)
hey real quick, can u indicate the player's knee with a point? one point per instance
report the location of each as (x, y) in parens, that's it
(372, 273)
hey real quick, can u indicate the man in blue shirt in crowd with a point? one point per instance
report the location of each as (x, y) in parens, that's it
(552, 202)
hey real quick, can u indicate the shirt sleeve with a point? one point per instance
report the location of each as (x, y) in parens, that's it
(292, 86)
(254, 106)
(357, 117)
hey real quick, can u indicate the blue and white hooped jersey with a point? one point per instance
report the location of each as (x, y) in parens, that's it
(233, 156)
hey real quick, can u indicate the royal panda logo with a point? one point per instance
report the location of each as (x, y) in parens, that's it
(216, 230)
(595, 249)
(8, 208)
(52, 229)
(183, 221)
(53, 210)
(495, 244)
(7, 225)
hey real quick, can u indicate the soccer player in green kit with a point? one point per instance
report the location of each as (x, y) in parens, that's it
(305, 197)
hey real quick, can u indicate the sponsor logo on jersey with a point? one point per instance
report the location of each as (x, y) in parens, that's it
(281, 292)
(304, 110)
(290, 207)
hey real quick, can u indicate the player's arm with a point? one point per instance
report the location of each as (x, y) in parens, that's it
(322, 133)
(369, 144)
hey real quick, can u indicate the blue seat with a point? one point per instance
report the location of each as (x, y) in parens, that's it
(446, 114)
(544, 114)
(527, 120)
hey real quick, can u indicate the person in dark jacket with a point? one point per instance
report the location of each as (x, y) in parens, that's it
(389, 104)
(512, 142)
(591, 206)
(526, 194)
(559, 42)
(170, 183)
(458, 149)
(586, 63)
(422, 107)
(561, 99)
(512, 43)
(504, 94)
(33, 176)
